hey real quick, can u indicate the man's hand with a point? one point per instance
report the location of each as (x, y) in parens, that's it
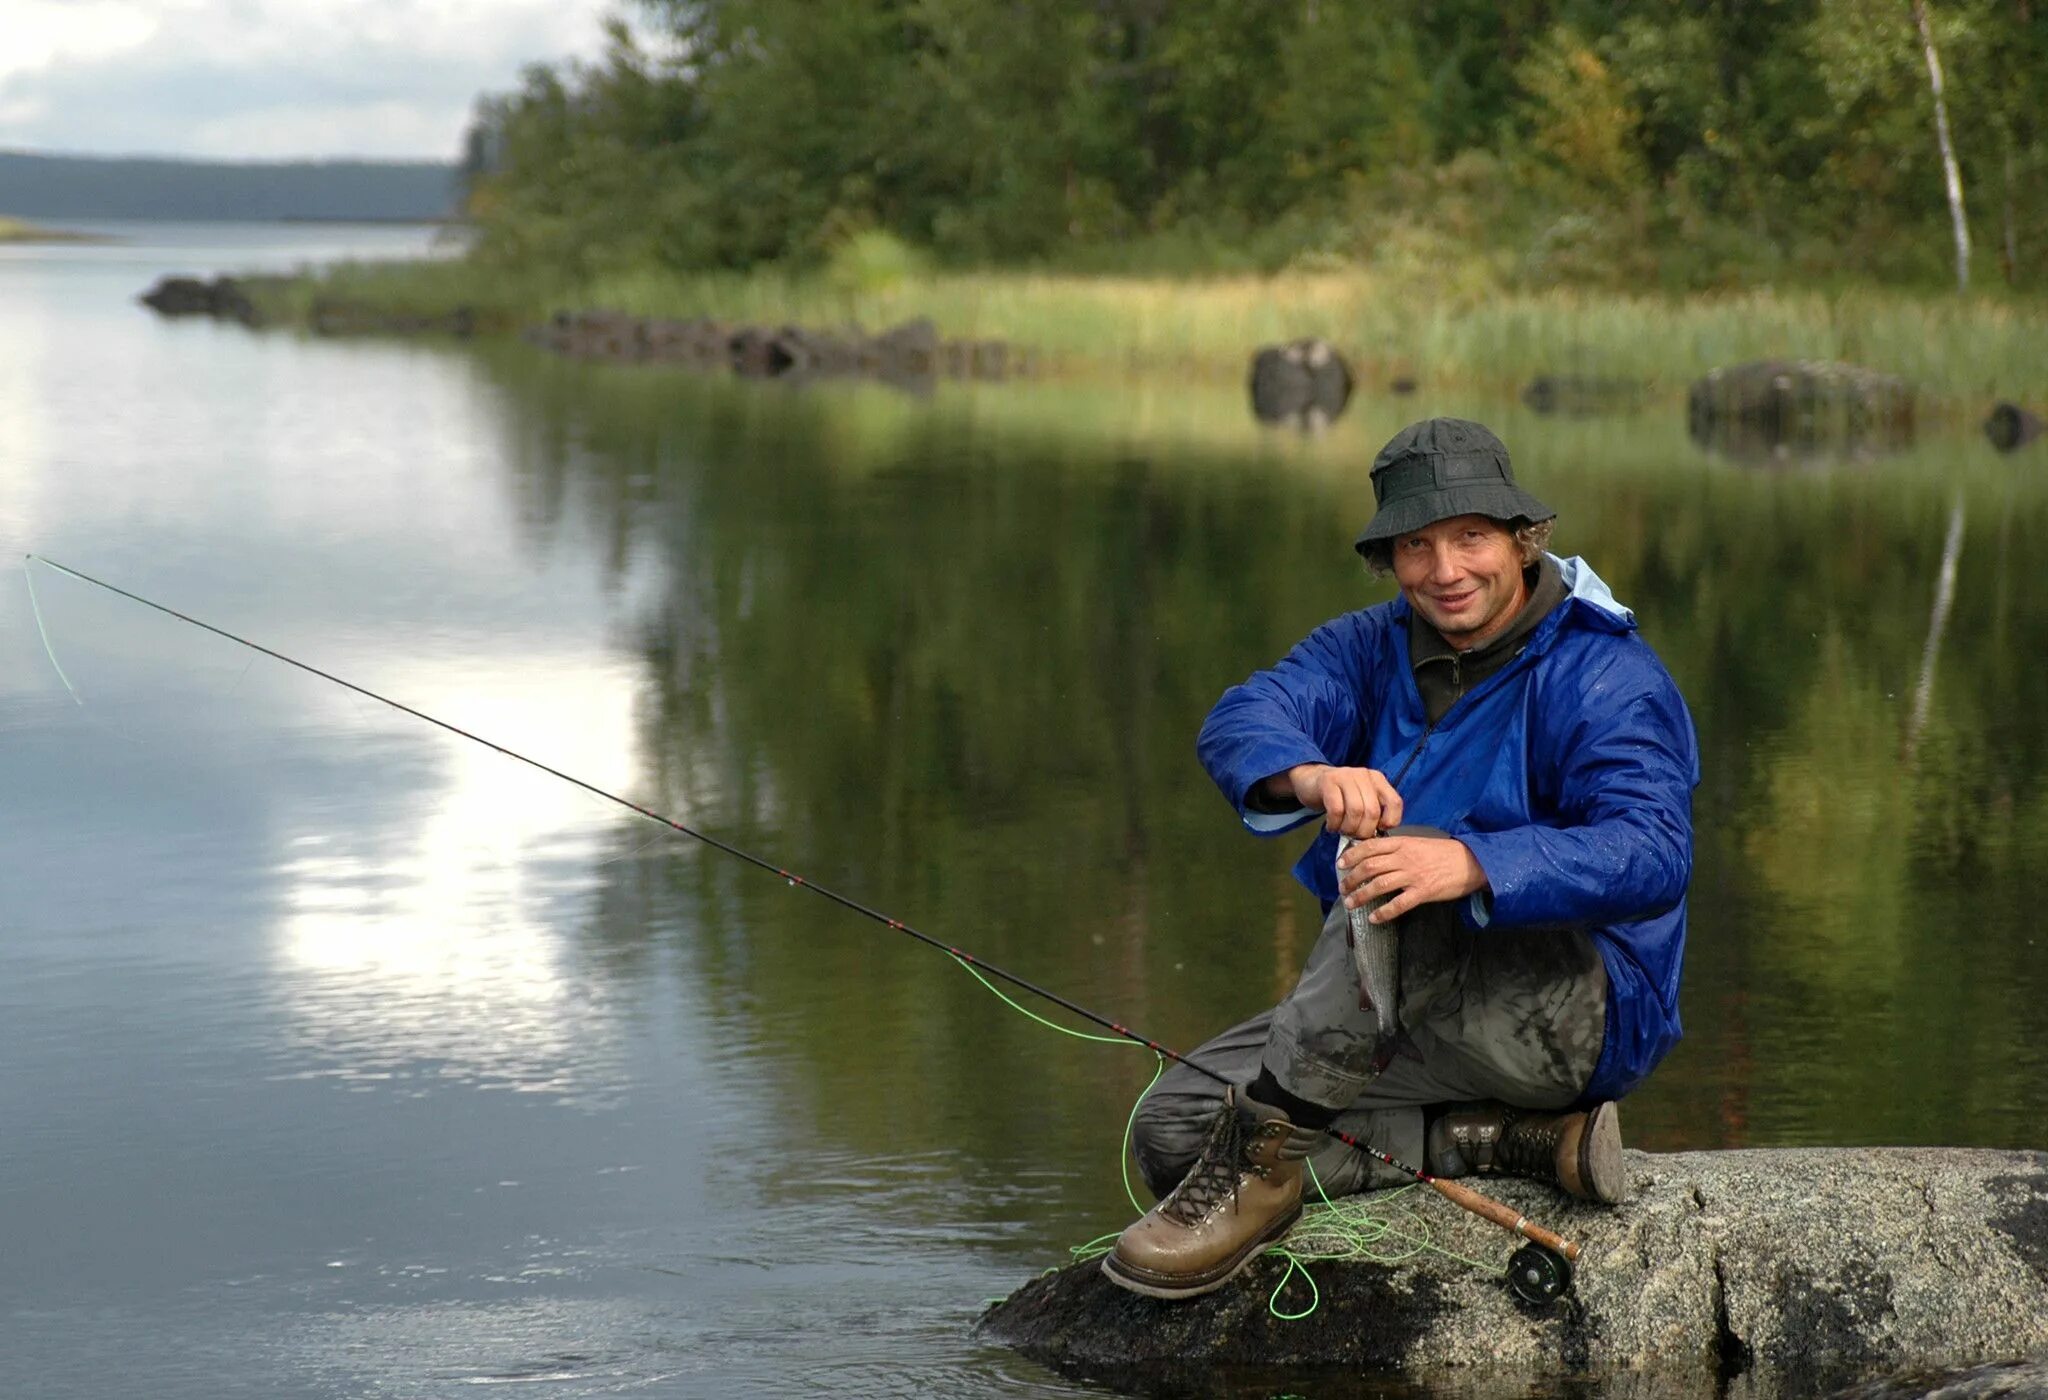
(1413, 869)
(1355, 802)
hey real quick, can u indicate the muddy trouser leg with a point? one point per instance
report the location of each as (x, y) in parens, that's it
(1518, 1016)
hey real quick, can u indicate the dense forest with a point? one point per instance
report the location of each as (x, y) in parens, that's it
(1683, 143)
(137, 187)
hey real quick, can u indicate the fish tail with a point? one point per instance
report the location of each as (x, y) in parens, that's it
(1389, 1046)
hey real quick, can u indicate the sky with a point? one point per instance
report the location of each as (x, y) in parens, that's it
(270, 79)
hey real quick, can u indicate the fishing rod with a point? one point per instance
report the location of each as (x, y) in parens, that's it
(1538, 1272)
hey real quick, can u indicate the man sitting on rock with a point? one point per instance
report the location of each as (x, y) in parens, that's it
(1506, 710)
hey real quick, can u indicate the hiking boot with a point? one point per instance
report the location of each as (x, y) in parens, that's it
(1242, 1193)
(1579, 1151)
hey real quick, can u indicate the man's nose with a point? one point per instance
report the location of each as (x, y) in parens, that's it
(1443, 565)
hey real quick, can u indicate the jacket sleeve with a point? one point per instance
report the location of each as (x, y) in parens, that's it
(1306, 709)
(1626, 761)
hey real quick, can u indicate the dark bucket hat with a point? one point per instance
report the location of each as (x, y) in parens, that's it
(1440, 468)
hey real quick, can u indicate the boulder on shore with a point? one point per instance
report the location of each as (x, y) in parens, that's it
(1766, 1272)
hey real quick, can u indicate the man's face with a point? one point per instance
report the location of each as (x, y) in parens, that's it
(1464, 575)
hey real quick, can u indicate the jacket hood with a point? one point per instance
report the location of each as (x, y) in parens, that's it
(1585, 586)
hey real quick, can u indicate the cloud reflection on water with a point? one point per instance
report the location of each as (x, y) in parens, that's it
(425, 944)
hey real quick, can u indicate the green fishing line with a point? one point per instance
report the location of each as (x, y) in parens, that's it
(1129, 1123)
(1382, 1230)
(37, 608)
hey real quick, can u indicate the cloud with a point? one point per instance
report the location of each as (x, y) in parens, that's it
(272, 78)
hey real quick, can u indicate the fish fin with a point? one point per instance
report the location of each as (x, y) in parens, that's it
(1389, 1046)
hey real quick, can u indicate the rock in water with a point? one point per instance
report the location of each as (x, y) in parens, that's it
(1791, 1271)
(1778, 410)
(1304, 384)
(224, 298)
(2011, 427)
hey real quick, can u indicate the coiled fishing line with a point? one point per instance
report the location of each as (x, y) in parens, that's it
(1378, 1230)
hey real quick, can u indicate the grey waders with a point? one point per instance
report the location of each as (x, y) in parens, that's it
(1243, 1193)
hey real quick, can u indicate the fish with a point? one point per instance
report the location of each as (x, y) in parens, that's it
(1376, 953)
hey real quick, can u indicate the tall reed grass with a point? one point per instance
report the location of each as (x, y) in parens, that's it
(1440, 329)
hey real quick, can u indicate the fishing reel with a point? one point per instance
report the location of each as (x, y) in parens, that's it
(1539, 1275)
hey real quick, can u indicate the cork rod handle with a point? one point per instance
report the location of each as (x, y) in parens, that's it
(1504, 1217)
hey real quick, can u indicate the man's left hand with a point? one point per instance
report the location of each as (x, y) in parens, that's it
(1412, 869)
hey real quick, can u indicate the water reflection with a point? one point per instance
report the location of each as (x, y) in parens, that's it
(351, 1058)
(425, 951)
(962, 658)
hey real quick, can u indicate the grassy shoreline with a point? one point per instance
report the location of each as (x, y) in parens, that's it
(14, 230)
(1451, 328)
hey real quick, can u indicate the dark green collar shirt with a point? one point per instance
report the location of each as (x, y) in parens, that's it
(1443, 673)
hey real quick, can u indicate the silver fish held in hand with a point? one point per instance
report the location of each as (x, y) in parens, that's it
(1376, 952)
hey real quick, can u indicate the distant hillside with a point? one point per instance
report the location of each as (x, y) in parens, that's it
(124, 187)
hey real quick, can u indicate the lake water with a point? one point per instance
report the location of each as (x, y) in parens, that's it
(347, 1058)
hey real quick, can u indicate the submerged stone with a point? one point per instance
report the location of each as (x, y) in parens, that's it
(1789, 1271)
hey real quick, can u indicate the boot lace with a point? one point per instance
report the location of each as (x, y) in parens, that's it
(1528, 1146)
(1216, 1174)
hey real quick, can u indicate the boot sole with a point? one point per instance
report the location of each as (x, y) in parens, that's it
(1173, 1286)
(1600, 1156)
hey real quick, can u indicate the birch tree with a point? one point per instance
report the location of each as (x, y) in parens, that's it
(1951, 173)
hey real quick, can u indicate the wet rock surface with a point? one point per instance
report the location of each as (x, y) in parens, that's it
(1768, 1272)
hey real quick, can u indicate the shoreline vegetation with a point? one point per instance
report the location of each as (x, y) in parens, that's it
(1438, 330)
(1453, 193)
(14, 230)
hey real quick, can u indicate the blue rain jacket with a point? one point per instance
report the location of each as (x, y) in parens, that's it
(1568, 773)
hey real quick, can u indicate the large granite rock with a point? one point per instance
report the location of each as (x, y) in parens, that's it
(1789, 1272)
